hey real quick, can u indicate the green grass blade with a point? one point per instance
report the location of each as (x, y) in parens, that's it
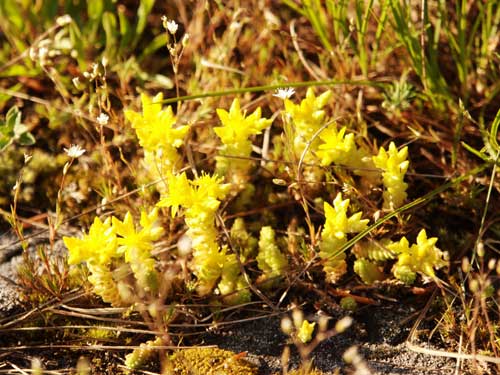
(145, 7)
(243, 90)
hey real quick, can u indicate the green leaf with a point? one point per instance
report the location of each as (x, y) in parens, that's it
(26, 139)
(17, 70)
(494, 132)
(5, 131)
(157, 43)
(472, 150)
(126, 31)
(13, 13)
(142, 14)
(20, 129)
(49, 10)
(75, 35)
(95, 8)
(4, 142)
(5, 96)
(110, 29)
(13, 118)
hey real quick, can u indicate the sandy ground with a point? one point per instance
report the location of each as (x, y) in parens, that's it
(382, 354)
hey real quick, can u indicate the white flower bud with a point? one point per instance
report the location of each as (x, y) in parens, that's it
(343, 324)
(102, 119)
(286, 325)
(185, 40)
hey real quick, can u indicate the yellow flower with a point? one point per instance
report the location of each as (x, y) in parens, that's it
(157, 135)
(334, 236)
(98, 246)
(235, 134)
(179, 193)
(154, 127)
(308, 117)
(394, 165)
(202, 194)
(422, 257)
(236, 128)
(200, 199)
(337, 223)
(208, 189)
(136, 245)
(305, 332)
(141, 240)
(338, 147)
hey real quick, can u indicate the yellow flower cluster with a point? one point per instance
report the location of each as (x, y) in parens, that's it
(422, 257)
(394, 165)
(308, 117)
(305, 331)
(334, 236)
(136, 246)
(157, 135)
(331, 146)
(111, 244)
(235, 134)
(200, 199)
(340, 148)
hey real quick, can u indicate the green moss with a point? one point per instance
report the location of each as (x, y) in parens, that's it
(209, 361)
(349, 304)
(38, 174)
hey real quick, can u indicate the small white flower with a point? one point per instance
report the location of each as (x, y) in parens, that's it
(172, 27)
(74, 151)
(102, 119)
(285, 93)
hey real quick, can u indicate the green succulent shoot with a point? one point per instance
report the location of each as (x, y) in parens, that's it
(423, 257)
(334, 235)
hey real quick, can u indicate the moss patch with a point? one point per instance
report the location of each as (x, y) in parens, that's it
(209, 361)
